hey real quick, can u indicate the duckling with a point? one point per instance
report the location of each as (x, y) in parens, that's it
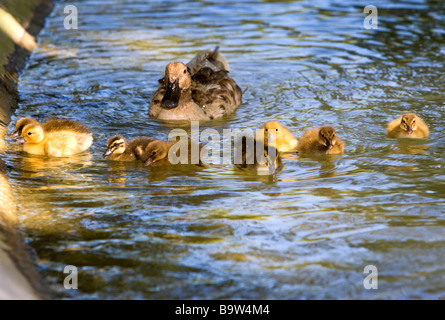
(60, 138)
(119, 150)
(271, 163)
(200, 90)
(320, 141)
(279, 136)
(156, 153)
(408, 126)
(53, 124)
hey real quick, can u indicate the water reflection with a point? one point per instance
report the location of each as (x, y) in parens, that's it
(409, 147)
(216, 232)
(37, 166)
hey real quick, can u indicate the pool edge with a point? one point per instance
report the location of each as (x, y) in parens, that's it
(20, 279)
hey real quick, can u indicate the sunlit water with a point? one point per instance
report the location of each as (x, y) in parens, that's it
(215, 232)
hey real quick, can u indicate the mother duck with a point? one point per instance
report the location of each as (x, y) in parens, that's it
(200, 90)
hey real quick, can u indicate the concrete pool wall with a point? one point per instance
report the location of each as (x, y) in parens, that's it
(20, 22)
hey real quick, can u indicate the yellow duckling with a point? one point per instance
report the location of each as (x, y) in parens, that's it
(60, 138)
(278, 135)
(408, 126)
(200, 90)
(53, 124)
(270, 164)
(320, 141)
(119, 150)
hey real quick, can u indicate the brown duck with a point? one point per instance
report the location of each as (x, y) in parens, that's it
(200, 90)
(319, 141)
(159, 153)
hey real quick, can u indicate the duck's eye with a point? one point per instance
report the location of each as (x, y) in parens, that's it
(414, 121)
(276, 129)
(403, 121)
(185, 71)
(153, 154)
(29, 133)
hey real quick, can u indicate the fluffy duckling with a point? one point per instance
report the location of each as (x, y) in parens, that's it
(269, 165)
(408, 126)
(200, 90)
(156, 153)
(53, 124)
(320, 141)
(119, 150)
(279, 136)
(58, 138)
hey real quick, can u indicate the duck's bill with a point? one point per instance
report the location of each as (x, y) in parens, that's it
(172, 95)
(272, 137)
(107, 152)
(14, 135)
(21, 140)
(148, 162)
(410, 130)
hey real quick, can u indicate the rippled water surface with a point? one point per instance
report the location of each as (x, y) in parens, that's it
(216, 232)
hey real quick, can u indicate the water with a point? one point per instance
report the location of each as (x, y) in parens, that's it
(215, 232)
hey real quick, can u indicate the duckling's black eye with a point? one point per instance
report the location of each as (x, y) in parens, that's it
(276, 129)
(185, 71)
(414, 121)
(153, 154)
(29, 133)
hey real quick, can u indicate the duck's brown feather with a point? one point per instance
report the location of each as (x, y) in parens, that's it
(213, 93)
(61, 124)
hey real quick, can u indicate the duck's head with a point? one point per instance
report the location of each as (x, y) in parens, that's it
(155, 151)
(408, 122)
(115, 145)
(271, 132)
(21, 123)
(177, 79)
(32, 133)
(275, 131)
(327, 137)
